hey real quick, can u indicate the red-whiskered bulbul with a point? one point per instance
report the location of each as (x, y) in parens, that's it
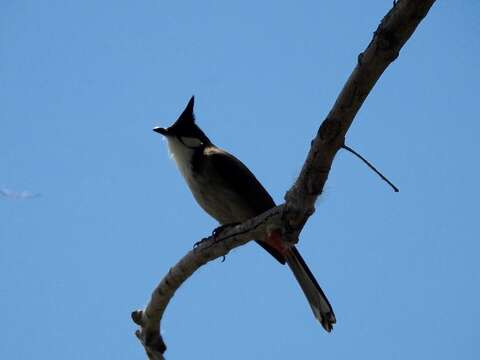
(228, 191)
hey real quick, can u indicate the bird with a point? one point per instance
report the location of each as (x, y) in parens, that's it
(230, 193)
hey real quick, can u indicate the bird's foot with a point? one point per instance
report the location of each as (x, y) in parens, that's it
(219, 229)
(215, 235)
(198, 243)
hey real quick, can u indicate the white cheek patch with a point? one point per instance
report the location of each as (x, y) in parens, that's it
(191, 142)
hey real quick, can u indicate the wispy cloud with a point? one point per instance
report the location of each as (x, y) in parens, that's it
(18, 195)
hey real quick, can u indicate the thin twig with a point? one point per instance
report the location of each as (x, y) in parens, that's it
(370, 166)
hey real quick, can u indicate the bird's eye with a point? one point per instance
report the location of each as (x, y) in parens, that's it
(190, 141)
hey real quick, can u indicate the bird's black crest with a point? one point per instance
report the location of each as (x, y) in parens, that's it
(185, 125)
(187, 116)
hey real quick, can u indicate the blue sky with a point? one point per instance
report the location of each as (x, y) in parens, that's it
(83, 83)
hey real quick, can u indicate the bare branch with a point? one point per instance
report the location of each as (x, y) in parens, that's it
(392, 33)
(209, 249)
(394, 30)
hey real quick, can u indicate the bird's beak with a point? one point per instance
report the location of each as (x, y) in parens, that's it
(161, 130)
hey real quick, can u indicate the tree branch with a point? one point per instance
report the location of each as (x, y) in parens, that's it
(392, 33)
(209, 249)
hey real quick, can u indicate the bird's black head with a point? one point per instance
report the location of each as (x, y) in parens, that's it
(185, 128)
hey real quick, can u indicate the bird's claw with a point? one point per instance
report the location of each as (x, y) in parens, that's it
(219, 229)
(198, 243)
(215, 234)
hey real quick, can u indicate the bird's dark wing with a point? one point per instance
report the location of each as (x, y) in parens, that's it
(242, 181)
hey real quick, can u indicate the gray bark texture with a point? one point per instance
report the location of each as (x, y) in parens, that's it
(393, 32)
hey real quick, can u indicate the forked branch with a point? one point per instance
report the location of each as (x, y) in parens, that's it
(392, 33)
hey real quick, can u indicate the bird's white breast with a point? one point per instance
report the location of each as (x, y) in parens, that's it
(210, 192)
(182, 156)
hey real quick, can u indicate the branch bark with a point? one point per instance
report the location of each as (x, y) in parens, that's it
(393, 32)
(209, 249)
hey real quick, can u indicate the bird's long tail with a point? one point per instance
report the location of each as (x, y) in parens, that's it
(318, 301)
